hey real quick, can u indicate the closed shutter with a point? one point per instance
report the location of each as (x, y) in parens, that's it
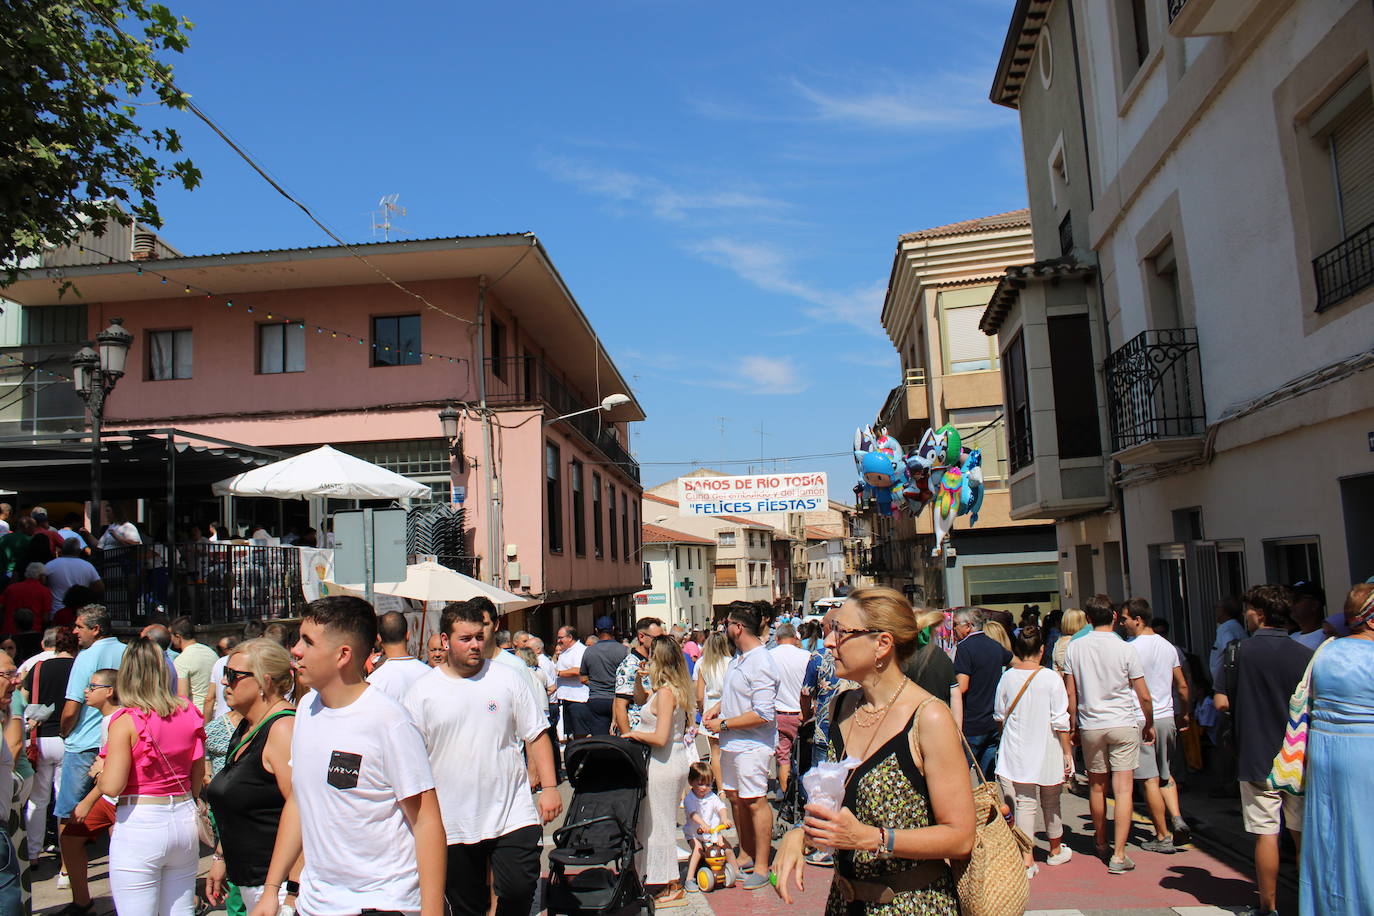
(1352, 145)
(726, 577)
(967, 347)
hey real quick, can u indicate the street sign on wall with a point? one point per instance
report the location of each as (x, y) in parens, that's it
(752, 495)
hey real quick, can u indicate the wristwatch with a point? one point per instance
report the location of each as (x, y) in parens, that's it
(292, 887)
(725, 725)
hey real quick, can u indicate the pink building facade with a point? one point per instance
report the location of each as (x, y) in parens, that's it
(292, 349)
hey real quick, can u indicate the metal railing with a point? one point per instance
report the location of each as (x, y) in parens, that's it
(1154, 388)
(525, 380)
(1176, 7)
(912, 378)
(1345, 269)
(208, 582)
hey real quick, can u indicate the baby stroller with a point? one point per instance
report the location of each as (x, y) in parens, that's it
(792, 808)
(608, 777)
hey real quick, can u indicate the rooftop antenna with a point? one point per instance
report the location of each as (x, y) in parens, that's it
(387, 210)
(722, 421)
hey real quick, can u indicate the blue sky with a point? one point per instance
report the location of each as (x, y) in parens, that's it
(721, 184)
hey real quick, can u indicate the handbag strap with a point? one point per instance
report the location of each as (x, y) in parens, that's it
(1019, 694)
(257, 728)
(914, 734)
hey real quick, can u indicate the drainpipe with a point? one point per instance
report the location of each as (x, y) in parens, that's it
(490, 484)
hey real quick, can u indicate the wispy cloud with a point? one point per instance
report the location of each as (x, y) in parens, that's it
(659, 198)
(946, 101)
(770, 268)
(771, 375)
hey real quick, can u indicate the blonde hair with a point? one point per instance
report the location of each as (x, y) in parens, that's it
(887, 610)
(668, 668)
(143, 682)
(998, 633)
(270, 664)
(715, 656)
(1074, 620)
(526, 655)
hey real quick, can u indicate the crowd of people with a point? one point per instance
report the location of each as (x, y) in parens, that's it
(433, 790)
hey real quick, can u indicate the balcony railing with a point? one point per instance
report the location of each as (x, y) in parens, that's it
(209, 582)
(1154, 384)
(524, 380)
(1176, 7)
(1346, 269)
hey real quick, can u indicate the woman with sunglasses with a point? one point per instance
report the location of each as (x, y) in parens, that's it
(903, 814)
(154, 765)
(250, 790)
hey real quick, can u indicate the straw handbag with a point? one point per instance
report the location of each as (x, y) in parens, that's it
(992, 880)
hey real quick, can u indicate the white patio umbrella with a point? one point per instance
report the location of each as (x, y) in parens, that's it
(428, 581)
(326, 471)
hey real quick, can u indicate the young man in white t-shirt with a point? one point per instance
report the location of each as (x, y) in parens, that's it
(476, 716)
(399, 669)
(1103, 674)
(1158, 762)
(363, 807)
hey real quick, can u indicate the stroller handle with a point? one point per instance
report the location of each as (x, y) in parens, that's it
(561, 833)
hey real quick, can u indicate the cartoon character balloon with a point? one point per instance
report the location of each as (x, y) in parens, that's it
(882, 473)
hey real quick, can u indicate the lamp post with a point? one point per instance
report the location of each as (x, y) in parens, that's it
(94, 375)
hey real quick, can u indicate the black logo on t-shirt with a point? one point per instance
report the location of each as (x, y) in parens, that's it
(344, 768)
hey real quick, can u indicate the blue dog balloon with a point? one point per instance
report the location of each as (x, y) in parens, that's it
(882, 472)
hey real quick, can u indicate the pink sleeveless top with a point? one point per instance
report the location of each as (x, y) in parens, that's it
(165, 750)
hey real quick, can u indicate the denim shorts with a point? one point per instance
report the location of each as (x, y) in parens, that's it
(76, 781)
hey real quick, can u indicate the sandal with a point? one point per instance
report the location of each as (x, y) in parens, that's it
(672, 895)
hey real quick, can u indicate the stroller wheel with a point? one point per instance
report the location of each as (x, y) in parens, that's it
(706, 879)
(648, 908)
(731, 876)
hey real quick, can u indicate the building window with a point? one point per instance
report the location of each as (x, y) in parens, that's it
(1133, 37)
(610, 519)
(625, 525)
(1293, 560)
(637, 534)
(1074, 379)
(1344, 128)
(498, 349)
(726, 538)
(749, 537)
(726, 576)
(967, 349)
(553, 493)
(1164, 291)
(596, 513)
(1016, 394)
(281, 348)
(579, 525)
(984, 428)
(396, 340)
(169, 355)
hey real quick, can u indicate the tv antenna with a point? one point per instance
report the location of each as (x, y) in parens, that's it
(387, 210)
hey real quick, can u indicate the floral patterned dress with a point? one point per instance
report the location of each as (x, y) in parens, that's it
(888, 790)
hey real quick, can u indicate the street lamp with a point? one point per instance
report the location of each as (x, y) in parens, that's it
(448, 421)
(95, 371)
(609, 402)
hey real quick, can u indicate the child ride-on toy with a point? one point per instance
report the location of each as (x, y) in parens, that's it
(716, 872)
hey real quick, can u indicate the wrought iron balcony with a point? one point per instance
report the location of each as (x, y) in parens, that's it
(1154, 386)
(1345, 269)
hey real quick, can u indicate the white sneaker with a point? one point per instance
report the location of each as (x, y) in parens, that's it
(63, 881)
(1032, 871)
(1059, 858)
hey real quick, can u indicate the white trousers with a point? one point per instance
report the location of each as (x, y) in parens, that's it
(251, 896)
(47, 778)
(1026, 798)
(154, 854)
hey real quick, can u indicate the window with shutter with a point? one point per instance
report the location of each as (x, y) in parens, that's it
(967, 349)
(1352, 155)
(726, 576)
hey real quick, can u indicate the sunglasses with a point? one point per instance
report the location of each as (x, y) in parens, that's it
(845, 632)
(232, 676)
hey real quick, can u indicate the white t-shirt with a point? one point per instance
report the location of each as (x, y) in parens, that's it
(64, 572)
(791, 662)
(1158, 659)
(217, 684)
(711, 809)
(475, 729)
(1102, 665)
(532, 676)
(126, 530)
(43, 656)
(394, 676)
(1029, 751)
(571, 688)
(350, 770)
(547, 666)
(751, 683)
